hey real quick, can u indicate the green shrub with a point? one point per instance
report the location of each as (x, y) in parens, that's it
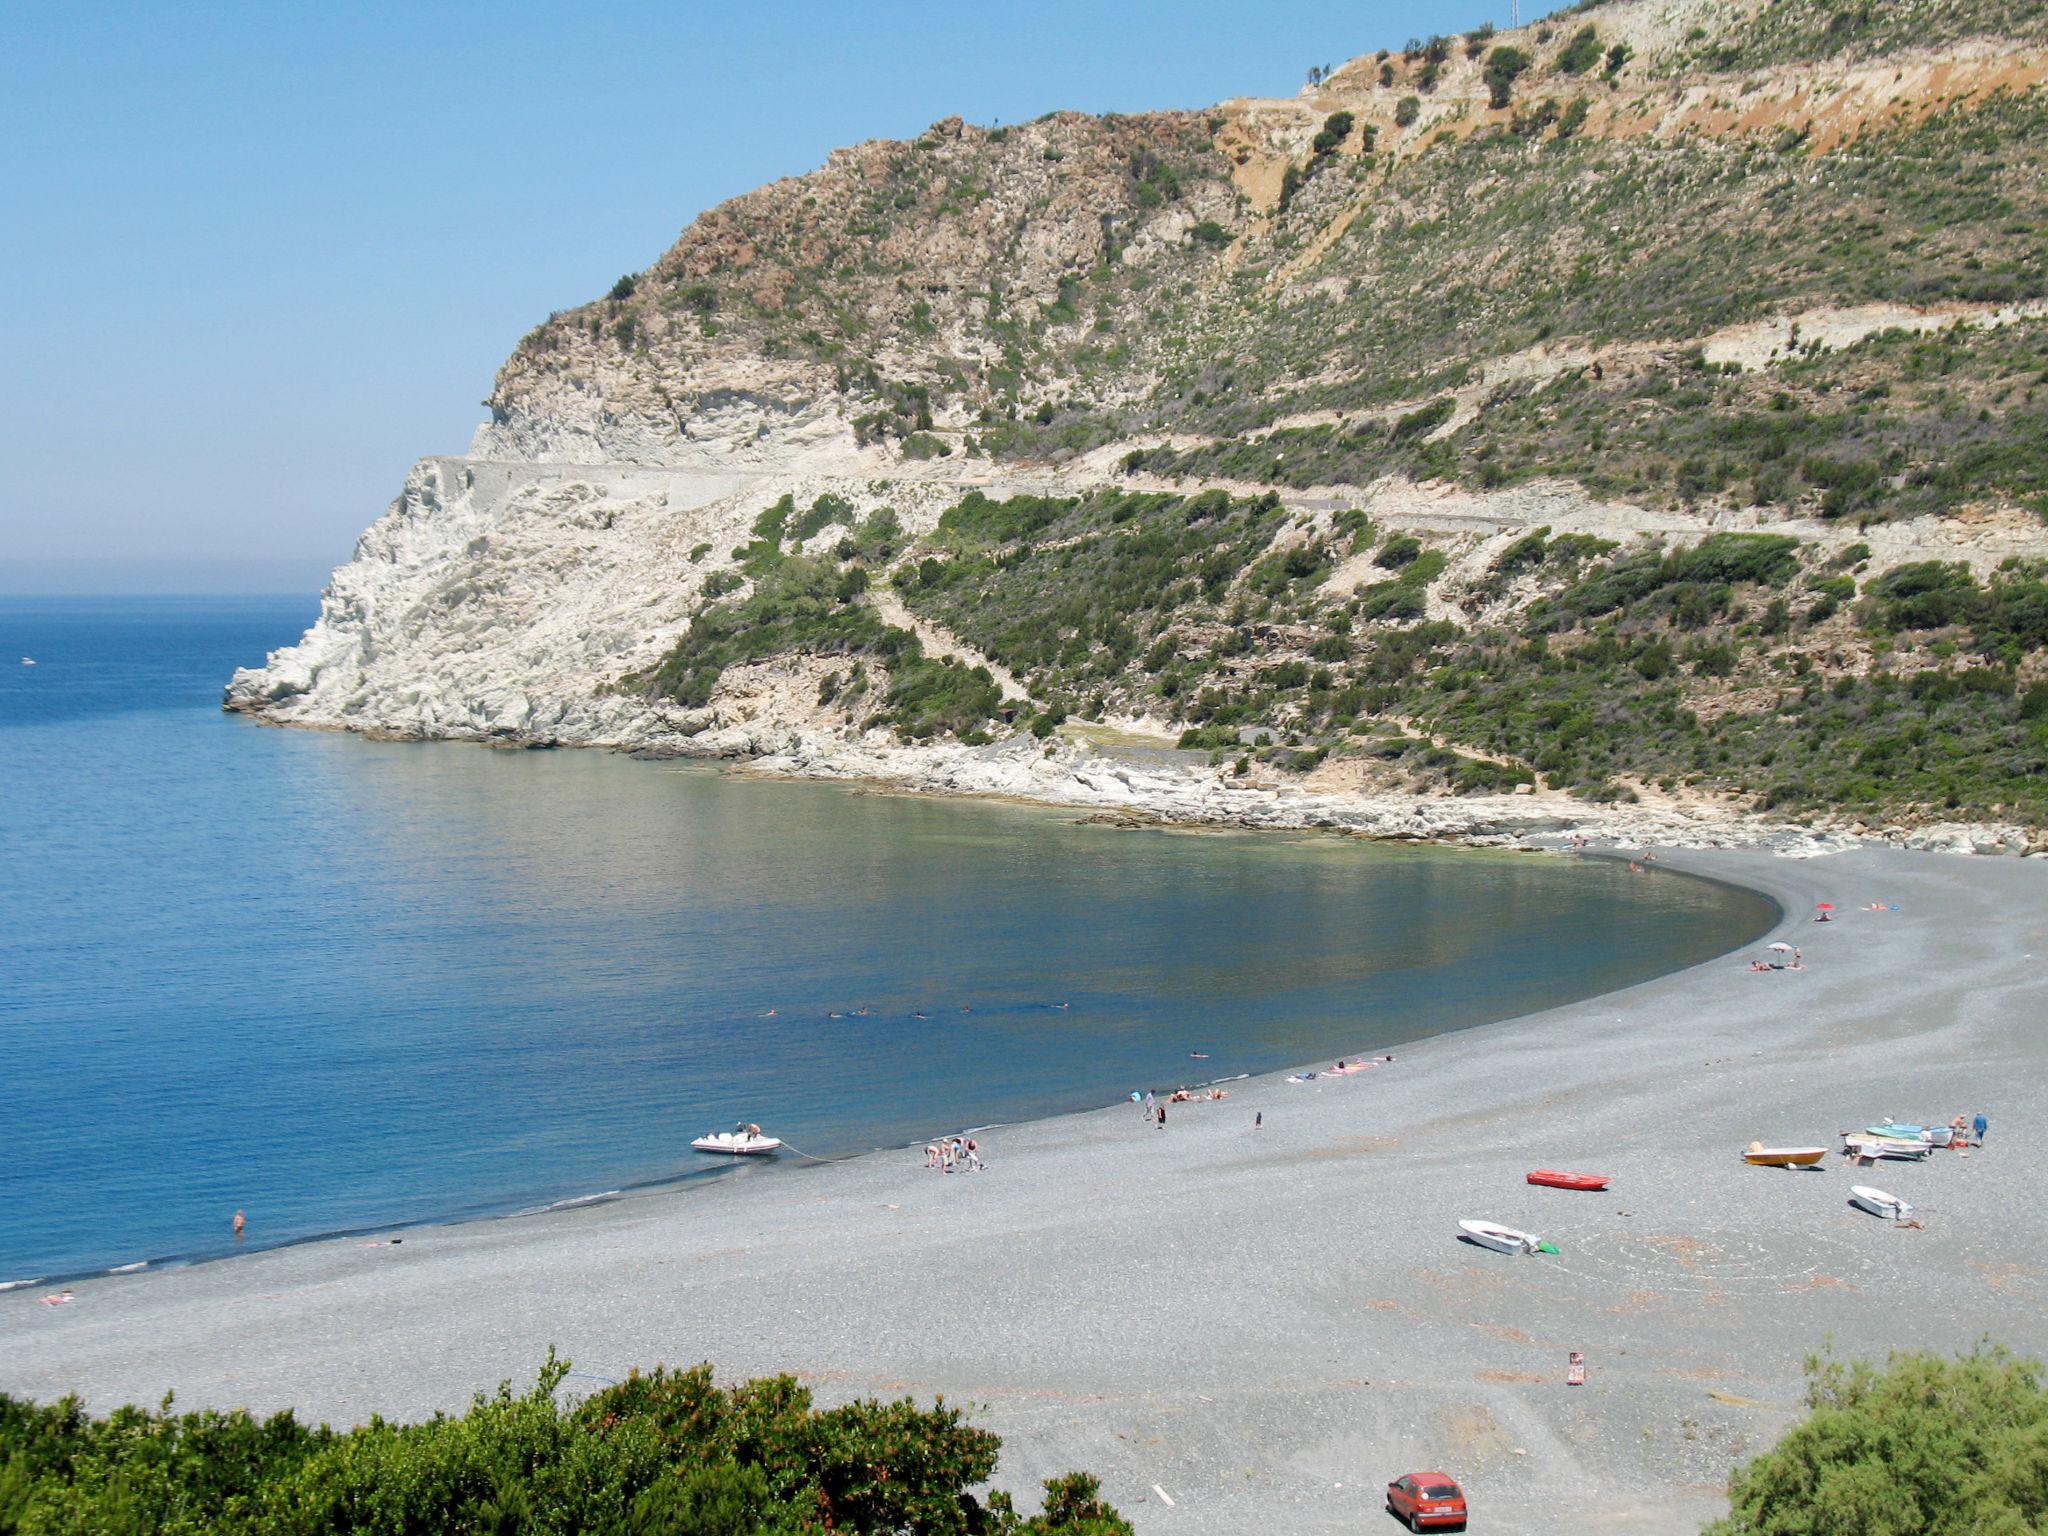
(926, 445)
(1925, 1444)
(1924, 594)
(1425, 419)
(1401, 550)
(1503, 67)
(663, 1454)
(1406, 110)
(1581, 53)
(623, 288)
(1208, 232)
(1336, 129)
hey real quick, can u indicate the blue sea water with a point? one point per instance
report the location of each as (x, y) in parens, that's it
(344, 984)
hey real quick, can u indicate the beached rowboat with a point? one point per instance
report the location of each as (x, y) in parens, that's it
(1885, 1146)
(1490, 1234)
(1783, 1157)
(741, 1141)
(1557, 1178)
(1878, 1203)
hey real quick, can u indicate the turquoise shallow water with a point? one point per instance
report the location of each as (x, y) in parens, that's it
(344, 984)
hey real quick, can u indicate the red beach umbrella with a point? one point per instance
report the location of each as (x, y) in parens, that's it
(1824, 906)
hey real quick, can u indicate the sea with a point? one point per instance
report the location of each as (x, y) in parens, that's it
(346, 985)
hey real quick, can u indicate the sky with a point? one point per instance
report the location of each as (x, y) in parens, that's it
(256, 259)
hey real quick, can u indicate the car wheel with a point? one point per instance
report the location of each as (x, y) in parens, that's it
(1415, 1522)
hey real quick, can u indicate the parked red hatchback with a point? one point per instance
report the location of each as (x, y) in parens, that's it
(1427, 1501)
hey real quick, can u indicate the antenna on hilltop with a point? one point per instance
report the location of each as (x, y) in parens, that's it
(1514, 14)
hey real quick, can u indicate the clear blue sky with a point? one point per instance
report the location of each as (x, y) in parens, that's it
(258, 258)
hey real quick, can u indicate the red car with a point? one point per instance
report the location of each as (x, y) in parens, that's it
(1426, 1500)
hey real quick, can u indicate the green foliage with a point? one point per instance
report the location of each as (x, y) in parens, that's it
(1336, 129)
(1209, 232)
(1581, 53)
(1924, 1445)
(1401, 550)
(1424, 420)
(1406, 110)
(929, 698)
(797, 606)
(925, 445)
(1503, 67)
(664, 1454)
(623, 288)
(998, 522)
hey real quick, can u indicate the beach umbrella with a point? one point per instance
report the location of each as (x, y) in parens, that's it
(1824, 906)
(1783, 949)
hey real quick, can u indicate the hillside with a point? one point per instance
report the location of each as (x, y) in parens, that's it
(1646, 407)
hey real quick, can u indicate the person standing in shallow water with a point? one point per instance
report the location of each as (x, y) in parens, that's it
(240, 1222)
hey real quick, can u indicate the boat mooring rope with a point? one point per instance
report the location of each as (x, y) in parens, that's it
(800, 1152)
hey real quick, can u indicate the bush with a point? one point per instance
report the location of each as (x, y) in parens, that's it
(1925, 1444)
(1581, 53)
(1336, 129)
(1398, 552)
(1406, 110)
(667, 1452)
(1208, 232)
(623, 288)
(1425, 419)
(1503, 67)
(1925, 594)
(926, 445)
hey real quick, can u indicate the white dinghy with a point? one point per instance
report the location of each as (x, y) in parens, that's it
(1886, 1146)
(1878, 1203)
(1490, 1234)
(740, 1141)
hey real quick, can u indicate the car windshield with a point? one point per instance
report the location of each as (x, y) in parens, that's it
(1440, 1490)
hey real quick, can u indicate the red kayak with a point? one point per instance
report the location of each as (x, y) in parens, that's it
(1558, 1179)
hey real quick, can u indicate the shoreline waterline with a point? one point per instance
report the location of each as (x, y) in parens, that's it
(688, 1179)
(1265, 1321)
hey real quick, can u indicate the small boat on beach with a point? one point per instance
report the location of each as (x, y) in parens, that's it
(1489, 1234)
(1893, 1131)
(1885, 1146)
(1783, 1157)
(1878, 1203)
(740, 1141)
(1558, 1178)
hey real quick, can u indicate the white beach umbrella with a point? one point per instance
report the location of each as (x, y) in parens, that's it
(1783, 949)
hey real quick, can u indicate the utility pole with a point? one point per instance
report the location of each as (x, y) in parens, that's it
(1514, 14)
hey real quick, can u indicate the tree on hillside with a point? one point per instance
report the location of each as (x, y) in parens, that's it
(1503, 65)
(1926, 1445)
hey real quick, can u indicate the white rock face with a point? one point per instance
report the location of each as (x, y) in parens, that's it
(498, 602)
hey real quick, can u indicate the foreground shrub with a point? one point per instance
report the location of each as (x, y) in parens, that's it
(666, 1454)
(1924, 1445)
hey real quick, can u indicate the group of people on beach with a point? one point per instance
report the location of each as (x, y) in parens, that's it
(951, 1152)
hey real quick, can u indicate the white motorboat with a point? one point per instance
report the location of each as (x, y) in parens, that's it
(1489, 1234)
(1878, 1203)
(740, 1141)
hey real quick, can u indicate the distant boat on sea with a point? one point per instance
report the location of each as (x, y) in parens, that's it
(28, 661)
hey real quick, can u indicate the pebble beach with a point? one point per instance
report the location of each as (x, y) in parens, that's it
(1240, 1328)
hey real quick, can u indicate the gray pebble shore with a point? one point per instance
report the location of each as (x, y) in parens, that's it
(1243, 1329)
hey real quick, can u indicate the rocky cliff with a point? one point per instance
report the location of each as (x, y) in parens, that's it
(1637, 419)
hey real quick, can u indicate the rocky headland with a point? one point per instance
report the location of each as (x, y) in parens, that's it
(1624, 425)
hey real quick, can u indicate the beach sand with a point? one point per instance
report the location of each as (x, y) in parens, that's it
(1267, 1325)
